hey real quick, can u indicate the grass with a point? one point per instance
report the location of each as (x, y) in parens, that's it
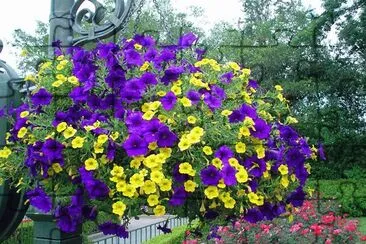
(362, 226)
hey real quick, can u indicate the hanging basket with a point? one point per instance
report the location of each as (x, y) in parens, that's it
(12, 210)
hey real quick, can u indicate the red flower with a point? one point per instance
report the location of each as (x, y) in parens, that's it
(351, 226)
(317, 229)
(190, 242)
(328, 219)
(363, 238)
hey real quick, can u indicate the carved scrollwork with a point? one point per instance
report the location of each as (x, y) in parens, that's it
(98, 24)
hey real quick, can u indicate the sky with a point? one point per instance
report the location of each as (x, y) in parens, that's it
(23, 14)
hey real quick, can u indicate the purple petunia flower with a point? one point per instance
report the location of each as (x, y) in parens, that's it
(151, 129)
(52, 149)
(109, 228)
(116, 77)
(187, 40)
(194, 96)
(297, 197)
(179, 197)
(168, 101)
(172, 74)
(178, 177)
(262, 129)
(68, 218)
(132, 57)
(295, 158)
(227, 77)
(253, 215)
(166, 138)
(212, 101)
(96, 189)
(149, 78)
(228, 174)
(39, 199)
(42, 97)
(224, 153)
(321, 152)
(135, 146)
(200, 53)
(164, 228)
(288, 134)
(210, 175)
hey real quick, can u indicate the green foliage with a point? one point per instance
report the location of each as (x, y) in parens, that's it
(177, 236)
(350, 194)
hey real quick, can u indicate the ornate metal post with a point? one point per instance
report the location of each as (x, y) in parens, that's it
(12, 208)
(60, 24)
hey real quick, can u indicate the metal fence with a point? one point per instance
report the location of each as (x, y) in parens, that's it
(139, 235)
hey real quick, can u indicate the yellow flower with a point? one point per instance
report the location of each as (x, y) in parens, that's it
(114, 136)
(244, 131)
(61, 127)
(69, 132)
(145, 66)
(229, 203)
(191, 119)
(165, 185)
(240, 147)
(234, 66)
(278, 88)
(102, 139)
(217, 163)
(198, 131)
(60, 58)
(24, 114)
(129, 191)
(193, 138)
(186, 102)
(161, 93)
(253, 198)
(119, 208)
(135, 163)
(153, 145)
(60, 67)
(308, 168)
(56, 167)
(149, 187)
(148, 115)
(30, 77)
(284, 181)
(190, 186)
(234, 162)
(153, 200)
(283, 169)
(207, 150)
(166, 151)
(156, 176)
(211, 192)
(185, 168)
(104, 159)
(57, 83)
(73, 80)
(91, 164)
(137, 180)
(152, 161)
(77, 142)
(121, 184)
(226, 112)
(22, 132)
(176, 90)
(280, 97)
(98, 148)
(242, 176)
(260, 151)
(184, 144)
(137, 46)
(159, 210)
(5, 152)
(117, 171)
